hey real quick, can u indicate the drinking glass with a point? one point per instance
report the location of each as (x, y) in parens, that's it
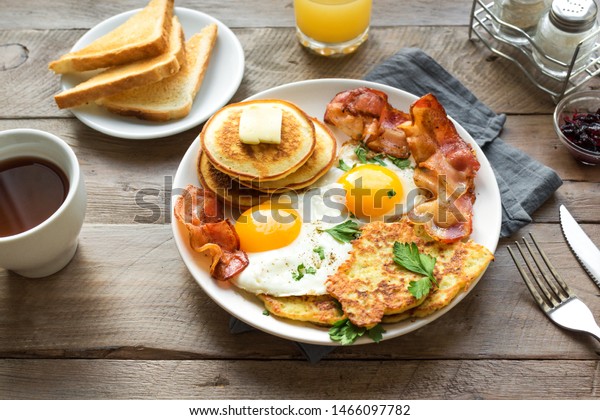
(332, 27)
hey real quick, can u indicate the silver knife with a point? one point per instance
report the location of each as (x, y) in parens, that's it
(582, 246)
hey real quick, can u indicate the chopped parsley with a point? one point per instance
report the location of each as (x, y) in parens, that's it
(302, 270)
(266, 313)
(344, 232)
(391, 193)
(363, 155)
(378, 159)
(346, 332)
(407, 256)
(343, 166)
(400, 163)
(320, 252)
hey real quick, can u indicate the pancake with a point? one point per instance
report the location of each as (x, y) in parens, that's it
(315, 167)
(238, 196)
(261, 162)
(320, 310)
(370, 285)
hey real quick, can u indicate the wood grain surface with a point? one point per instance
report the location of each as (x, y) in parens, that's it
(274, 57)
(126, 320)
(377, 380)
(84, 14)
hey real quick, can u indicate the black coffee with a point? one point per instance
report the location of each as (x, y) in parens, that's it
(31, 190)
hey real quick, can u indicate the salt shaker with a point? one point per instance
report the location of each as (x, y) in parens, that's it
(524, 14)
(567, 24)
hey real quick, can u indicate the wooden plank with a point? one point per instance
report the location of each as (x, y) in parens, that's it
(127, 294)
(28, 85)
(71, 14)
(129, 181)
(363, 380)
(274, 57)
(535, 135)
(581, 198)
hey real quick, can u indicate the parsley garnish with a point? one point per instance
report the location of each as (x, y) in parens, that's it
(400, 163)
(266, 313)
(378, 159)
(302, 270)
(347, 333)
(344, 232)
(362, 154)
(407, 256)
(297, 275)
(376, 333)
(343, 166)
(391, 193)
(320, 251)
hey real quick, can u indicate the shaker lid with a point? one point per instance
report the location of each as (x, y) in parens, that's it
(573, 15)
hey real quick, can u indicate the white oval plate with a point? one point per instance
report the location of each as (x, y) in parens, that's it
(222, 78)
(313, 96)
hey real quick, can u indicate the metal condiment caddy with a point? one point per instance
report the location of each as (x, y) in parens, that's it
(482, 24)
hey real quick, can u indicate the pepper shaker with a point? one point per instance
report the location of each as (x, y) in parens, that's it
(567, 24)
(524, 14)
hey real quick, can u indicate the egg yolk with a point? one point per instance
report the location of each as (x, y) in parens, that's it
(371, 190)
(266, 227)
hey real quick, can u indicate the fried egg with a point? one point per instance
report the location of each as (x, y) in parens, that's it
(374, 189)
(289, 251)
(287, 257)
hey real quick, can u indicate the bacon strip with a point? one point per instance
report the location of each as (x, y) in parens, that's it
(447, 166)
(365, 114)
(199, 211)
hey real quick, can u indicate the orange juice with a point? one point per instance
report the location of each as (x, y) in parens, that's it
(332, 21)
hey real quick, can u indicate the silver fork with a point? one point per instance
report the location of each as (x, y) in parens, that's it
(555, 298)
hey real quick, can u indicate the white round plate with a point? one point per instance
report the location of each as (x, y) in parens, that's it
(313, 96)
(222, 78)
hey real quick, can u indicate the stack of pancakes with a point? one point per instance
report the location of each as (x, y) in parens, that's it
(244, 175)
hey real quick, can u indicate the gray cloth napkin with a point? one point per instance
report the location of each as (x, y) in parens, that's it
(524, 183)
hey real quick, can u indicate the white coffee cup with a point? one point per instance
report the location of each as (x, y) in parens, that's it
(48, 247)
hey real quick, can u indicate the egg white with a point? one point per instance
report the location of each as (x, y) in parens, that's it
(275, 272)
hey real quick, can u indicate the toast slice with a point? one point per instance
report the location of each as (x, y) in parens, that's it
(173, 96)
(127, 76)
(144, 35)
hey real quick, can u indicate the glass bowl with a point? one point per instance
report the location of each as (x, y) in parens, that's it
(577, 103)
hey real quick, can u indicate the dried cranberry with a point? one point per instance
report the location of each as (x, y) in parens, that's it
(583, 130)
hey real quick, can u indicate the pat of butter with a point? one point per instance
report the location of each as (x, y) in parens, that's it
(261, 124)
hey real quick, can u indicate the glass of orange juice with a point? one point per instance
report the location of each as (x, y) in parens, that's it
(332, 27)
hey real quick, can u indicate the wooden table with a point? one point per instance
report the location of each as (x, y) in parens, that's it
(126, 320)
